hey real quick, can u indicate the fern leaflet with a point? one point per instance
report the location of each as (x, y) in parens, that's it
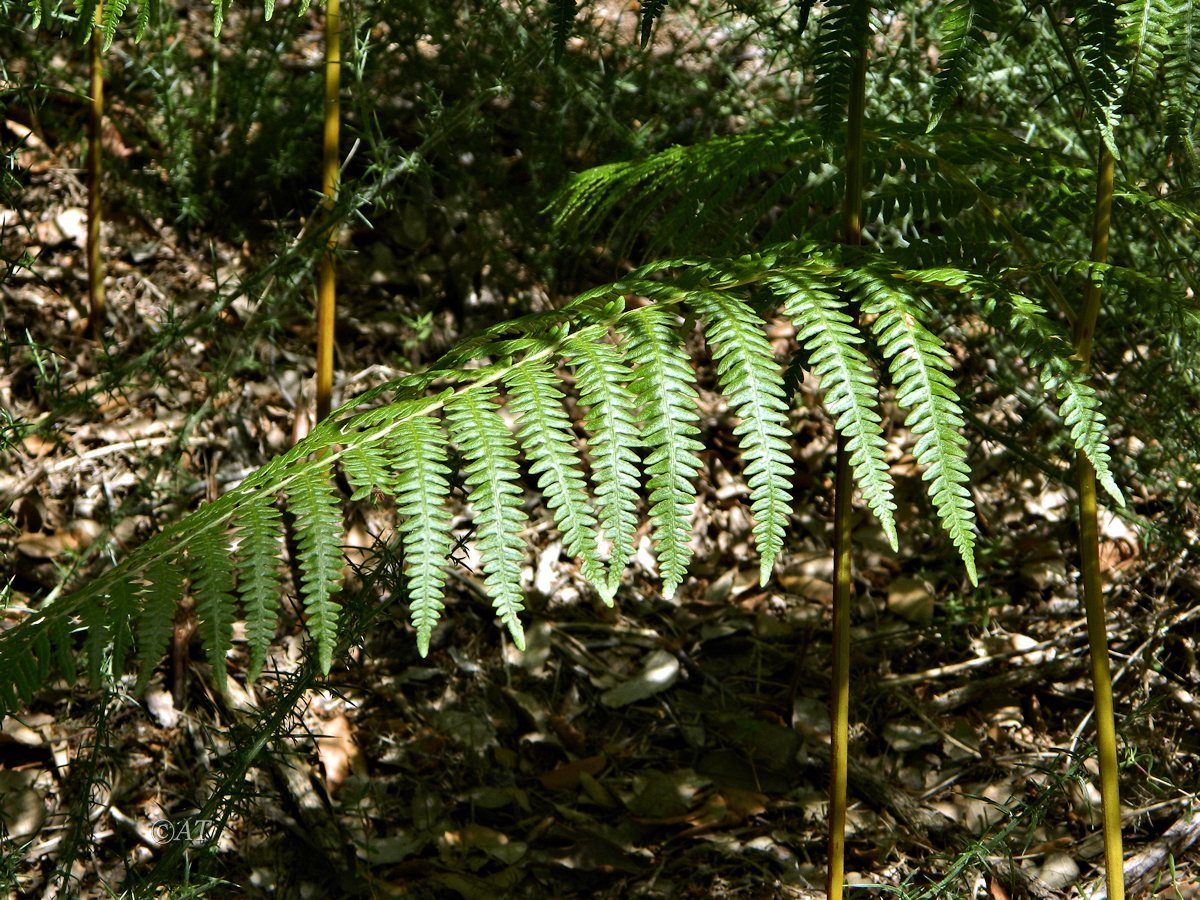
(918, 366)
(319, 539)
(258, 528)
(109, 17)
(491, 472)
(750, 378)
(421, 498)
(663, 386)
(211, 570)
(604, 386)
(159, 595)
(844, 29)
(964, 28)
(545, 433)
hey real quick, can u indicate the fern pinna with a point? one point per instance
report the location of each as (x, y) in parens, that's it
(632, 448)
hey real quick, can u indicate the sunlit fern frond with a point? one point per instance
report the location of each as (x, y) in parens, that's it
(491, 472)
(663, 383)
(544, 430)
(421, 474)
(750, 378)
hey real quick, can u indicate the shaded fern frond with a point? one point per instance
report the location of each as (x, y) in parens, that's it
(211, 571)
(142, 22)
(544, 430)
(314, 503)
(122, 604)
(1102, 55)
(1163, 36)
(827, 332)
(751, 380)
(844, 29)
(160, 595)
(918, 364)
(86, 25)
(651, 10)
(421, 474)
(663, 386)
(563, 12)
(491, 473)
(604, 382)
(964, 26)
(258, 528)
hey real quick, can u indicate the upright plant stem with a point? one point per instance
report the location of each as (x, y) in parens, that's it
(1089, 558)
(326, 283)
(95, 264)
(843, 513)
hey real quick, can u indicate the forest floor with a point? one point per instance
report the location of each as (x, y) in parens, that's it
(661, 748)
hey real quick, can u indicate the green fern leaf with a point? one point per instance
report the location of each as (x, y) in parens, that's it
(268, 9)
(86, 24)
(95, 641)
(160, 596)
(258, 528)
(421, 498)
(843, 31)
(918, 365)
(122, 606)
(1102, 55)
(35, 7)
(828, 334)
(319, 543)
(603, 381)
(751, 380)
(142, 22)
(59, 629)
(111, 15)
(663, 386)
(964, 28)
(544, 430)
(211, 571)
(220, 9)
(491, 473)
(368, 470)
(1145, 27)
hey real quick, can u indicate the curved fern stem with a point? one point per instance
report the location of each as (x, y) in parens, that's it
(1089, 558)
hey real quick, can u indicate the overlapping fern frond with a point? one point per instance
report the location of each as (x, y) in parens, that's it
(634, 446)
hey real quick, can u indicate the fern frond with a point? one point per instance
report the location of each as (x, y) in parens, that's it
(563, 12)
(268, 9)
(843, 30)
(651, 11)
(113, 10)
(918, 365)
(368, 470)
(142, 21)
(751, 380)
(603, 381)
(663, 386)
(544, 430)
(211, 571)
(95, 641)
(319, 540)
(86, 24)
(219, 11)
(159, 595)
(422, 490)
(828, 333)
(59, 629)
(258, 527)
(122, 605)
(1145, 26)
(1181, 77)
(1102, 55)
(35, 8)
(964, 27)
(491, 473)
